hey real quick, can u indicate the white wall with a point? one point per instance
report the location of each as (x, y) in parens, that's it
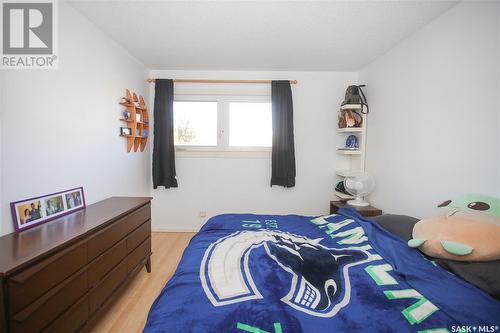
(435, 112)
(241, 185)
(59, 128)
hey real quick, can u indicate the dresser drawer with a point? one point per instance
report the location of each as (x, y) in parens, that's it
(106, 262)
(107, 237)
(138, 236)
(74, 318)
(110, 235)
(138, 217)
(107, 286)
(31, 283)
(50, 306)
(136, 256)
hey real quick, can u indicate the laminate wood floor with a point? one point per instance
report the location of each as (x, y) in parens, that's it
(129, 311)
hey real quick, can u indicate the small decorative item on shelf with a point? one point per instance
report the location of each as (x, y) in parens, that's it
(124, 100)
(136, 100)
(341, 123)
(138, 117)
(352, 142)
(349, 118)
(125, 131)
(126, 115)
(145, 132)
(341, 188)
(355, 99)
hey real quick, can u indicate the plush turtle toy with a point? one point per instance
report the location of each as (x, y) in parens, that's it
(465, 229)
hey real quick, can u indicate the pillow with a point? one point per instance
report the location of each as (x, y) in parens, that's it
(484, 275)
(400, 225)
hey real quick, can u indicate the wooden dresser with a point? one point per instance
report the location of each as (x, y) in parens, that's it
(58, 276)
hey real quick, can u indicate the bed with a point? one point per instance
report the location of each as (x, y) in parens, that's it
(336, 273)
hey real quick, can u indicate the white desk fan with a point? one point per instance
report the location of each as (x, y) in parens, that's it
(359, 186)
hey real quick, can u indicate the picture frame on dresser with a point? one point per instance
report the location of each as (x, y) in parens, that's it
(31, 212)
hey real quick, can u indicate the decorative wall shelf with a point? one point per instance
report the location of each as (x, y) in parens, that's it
(343, 196)
(139, 128)
(351, 107)
(349, 152)
(350, 130)
(346, 173)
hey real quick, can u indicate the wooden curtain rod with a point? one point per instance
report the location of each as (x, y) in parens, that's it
(221, 81)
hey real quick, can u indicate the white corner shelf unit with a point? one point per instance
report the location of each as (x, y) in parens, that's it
(351, 161)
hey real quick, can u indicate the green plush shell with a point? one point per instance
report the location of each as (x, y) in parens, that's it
(475, 203)
(472, 204)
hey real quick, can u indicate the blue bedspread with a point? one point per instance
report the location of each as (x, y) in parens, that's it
(338, 273)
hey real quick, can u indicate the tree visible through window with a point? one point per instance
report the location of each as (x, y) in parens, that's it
(185, 133)
(195, 123)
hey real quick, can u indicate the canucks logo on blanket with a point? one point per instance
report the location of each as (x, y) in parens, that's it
(320, 283)
(337, 273)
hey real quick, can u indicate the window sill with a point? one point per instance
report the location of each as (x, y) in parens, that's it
(250, 153)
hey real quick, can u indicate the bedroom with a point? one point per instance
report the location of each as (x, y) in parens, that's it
(261, 75)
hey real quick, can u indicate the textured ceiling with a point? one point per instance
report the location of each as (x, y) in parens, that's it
(259, 35)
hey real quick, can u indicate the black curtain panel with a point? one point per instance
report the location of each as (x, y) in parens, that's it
(163, 145)
(283, 151)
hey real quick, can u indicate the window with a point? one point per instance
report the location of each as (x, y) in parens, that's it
(250, 125)
(228, 123)
(195, 123)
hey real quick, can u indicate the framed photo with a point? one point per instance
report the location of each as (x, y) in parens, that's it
(34, 211)
(125, 131)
